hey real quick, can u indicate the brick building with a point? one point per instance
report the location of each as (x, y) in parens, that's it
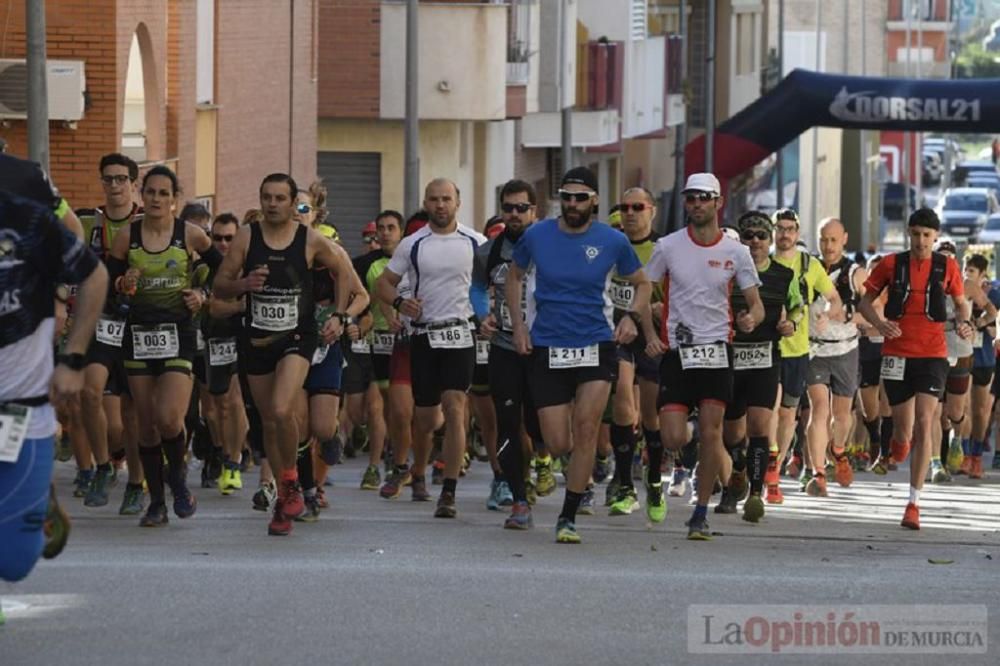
(224, 91)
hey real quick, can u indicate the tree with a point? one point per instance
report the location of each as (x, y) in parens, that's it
(975, 63)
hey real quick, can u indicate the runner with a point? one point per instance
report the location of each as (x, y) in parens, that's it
(571, 337)
(699, 264)
(874, 406)
(438, 261)
(151, 271)
(914, 354)
(36, 254)
(276, 258)
(757, 370)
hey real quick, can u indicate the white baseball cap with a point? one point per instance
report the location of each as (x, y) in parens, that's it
(703, 182)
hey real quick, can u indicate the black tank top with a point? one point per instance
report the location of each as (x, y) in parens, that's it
(286, 302)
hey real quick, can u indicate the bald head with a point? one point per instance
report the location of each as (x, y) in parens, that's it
(441, 201)
(832, 239)
(442, 183)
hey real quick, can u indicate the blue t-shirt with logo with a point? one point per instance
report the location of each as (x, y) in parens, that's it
(572, 274)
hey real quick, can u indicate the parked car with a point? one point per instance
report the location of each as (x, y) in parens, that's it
(964, 210)
(985, 180)
(962, 170)
(991, 232)
(893, 202)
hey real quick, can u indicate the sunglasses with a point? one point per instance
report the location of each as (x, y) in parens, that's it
(759, 235)
(519, 207)
(703, 197)
(635, 208)
(118, 179)
(578, 197)
(303, 209)
(228, 238)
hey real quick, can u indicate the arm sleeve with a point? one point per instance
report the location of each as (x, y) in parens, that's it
(480, 299)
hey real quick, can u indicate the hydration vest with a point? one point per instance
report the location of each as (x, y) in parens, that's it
(935, 306)
(844, 284)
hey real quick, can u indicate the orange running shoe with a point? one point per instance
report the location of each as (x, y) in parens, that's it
(774, 495)
(911, 517)
(900, 451)
(966, 466)
(817, 486)
(771, 476)
(845, 471)
(794, 467)
(976, 468)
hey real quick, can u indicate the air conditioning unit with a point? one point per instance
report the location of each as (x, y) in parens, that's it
(66, 84)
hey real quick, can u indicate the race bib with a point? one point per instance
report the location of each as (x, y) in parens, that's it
(274, 313)
(221, 351)
(705, 357)
(320, 354)
(622, 294)
(382, 342)
(453, 337)
(361, 346)
(199, 340)
(977, 339)
(110, 331)
(752, 357)
(482, 352)
(155, 342)
(573, 357)
(893, 368)
(876, 339)
(14, 421)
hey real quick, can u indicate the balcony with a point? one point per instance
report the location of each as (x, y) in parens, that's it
(590, 129)
(467, 80)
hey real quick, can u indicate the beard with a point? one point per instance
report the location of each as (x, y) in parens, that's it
(576, 218)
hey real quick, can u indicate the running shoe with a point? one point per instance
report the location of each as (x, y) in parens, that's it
(955, 455)
(264, 497)
(938, 473)
(311, 512)
(816, 486)
(185, 503)
(900, 451)
(880, 467)
(321, 500)
(774, 494)
(290, 495)
(738, 485)
(437, 473)
(976, 468)
(81, 484)
(772, 475)
(678, 482)
(566, 531)
(587, 502)
(56, 526)
(505, 496)
(892, 464)
(519, 518)
(545, 478)
(394, 482)
(371, 479)
(698, 530)
(625, 502)
(965, 467)
(281, 524)
(804, 478)
(156, 516)
(230, 480)
(602, 468)
(418, 490)
(794, 466)
(753, 509)
(728, 502)
(911, 517)
(844, 473)
(694, 487)
(656, 504)
(97, 494)
(132, 500)
(611, 490)
(446, 505)
(493, 501)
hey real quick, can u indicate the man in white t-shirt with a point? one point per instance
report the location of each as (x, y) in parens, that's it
(438, 262)
(699, 265)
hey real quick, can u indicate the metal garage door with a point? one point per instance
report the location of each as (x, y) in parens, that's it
(354, 185)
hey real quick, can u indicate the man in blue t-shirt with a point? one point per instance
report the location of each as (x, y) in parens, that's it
(569, 332)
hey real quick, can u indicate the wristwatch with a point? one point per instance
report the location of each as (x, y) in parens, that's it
(72, 361)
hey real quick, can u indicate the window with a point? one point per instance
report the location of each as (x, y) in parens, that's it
(637, 19)
(205, 52)
(745, 44)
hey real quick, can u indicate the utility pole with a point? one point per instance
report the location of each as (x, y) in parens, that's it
(779, 162)
(863, 138)
(411, 123)
(917, 138)
(906, 135)
(38, 96)
(710, 89)
(681, 132)
(566, 108)
(814, 162)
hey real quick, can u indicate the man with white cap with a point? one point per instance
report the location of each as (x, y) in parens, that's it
(698, 264)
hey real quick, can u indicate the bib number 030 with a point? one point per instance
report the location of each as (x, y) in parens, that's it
(274, 313)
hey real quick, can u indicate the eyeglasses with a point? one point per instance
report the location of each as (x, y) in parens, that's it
(759, 235)
(117, 179)
(303, 209)
(635, 208)
(703, 197)
(368, 239)
(785, 229)
(219, 238)
(519, 207)
(578, 197)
